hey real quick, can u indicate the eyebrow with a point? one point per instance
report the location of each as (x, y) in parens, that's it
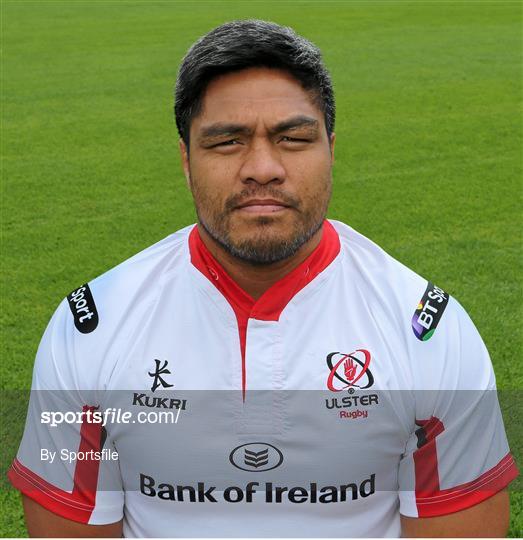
(294, 123)
(221, 129)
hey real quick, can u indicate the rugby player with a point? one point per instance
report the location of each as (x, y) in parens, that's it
(322, 388)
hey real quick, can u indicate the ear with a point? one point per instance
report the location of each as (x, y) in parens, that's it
(331, 144)
(184, 154)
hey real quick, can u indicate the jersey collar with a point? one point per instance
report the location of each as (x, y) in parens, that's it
(270, 305)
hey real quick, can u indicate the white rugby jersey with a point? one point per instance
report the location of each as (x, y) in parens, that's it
(350, 392)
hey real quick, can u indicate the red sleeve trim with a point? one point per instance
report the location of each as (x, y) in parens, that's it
(79, 504)
(448, 501)
(54, 499)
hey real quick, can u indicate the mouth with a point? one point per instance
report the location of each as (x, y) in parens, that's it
(262, 206)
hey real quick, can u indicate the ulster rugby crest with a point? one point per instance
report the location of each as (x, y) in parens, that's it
(349, 370)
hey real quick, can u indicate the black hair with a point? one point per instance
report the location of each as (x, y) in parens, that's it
(242, 44)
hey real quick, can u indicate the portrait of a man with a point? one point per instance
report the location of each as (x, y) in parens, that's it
(267, 370)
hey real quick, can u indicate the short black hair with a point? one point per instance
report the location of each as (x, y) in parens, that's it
(242, 44)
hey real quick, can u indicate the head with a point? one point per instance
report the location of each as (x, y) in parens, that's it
(255, 112)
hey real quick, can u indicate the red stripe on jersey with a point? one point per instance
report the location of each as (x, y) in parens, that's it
(464, 496)
(79, 504)
(426, 456)
(86, 471)
(272, 302)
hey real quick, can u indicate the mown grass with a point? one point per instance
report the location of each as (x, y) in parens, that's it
(428, 155)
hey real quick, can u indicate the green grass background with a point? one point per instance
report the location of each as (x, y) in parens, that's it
(428, 157)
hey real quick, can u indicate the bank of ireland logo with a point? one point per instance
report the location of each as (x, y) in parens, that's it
(349, 371)
(256, 457)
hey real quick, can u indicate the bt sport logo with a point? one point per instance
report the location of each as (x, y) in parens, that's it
(429, 311)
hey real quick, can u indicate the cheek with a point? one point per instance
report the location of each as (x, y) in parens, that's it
(210, 196)
(206, 197)
(313, 179)
(212, 179)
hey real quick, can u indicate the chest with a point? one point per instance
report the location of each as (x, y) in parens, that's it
(329, 342)
(310, 401)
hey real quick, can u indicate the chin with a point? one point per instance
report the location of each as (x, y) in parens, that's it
(264, 234)
(275, 219)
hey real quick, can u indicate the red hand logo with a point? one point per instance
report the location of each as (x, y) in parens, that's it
(350, 369)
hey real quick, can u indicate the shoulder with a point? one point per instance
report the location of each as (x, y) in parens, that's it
(133, 283)
(434, 333)
(384, 283)
(81, 342)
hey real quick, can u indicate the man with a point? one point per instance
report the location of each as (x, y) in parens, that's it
(320, 387)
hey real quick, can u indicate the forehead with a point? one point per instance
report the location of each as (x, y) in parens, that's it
(256, 94)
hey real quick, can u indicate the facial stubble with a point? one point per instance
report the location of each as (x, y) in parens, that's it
(263, 247)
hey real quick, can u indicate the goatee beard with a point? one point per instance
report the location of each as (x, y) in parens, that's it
(262, 251)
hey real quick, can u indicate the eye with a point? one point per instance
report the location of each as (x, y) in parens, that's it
(231, 142)
(285, 138)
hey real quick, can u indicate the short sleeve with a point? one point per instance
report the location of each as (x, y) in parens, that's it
(66, 462)
(457, 455)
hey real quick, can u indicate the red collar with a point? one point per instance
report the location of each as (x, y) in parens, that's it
(270, 305)
(272, 302)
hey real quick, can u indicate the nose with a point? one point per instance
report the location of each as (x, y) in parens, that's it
(262, 164)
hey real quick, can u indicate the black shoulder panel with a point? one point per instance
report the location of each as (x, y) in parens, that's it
(429, 312)
(83, 308)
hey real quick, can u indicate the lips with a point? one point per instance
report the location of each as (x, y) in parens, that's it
(262, 206)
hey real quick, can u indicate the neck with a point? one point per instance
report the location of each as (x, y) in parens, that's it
(254, 279)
